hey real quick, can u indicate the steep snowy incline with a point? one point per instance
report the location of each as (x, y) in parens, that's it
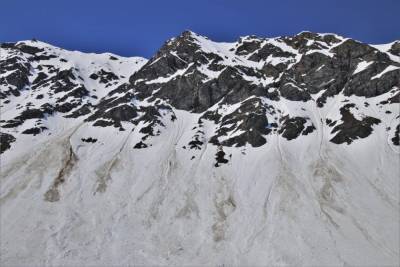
(265, 151)
(44, 88)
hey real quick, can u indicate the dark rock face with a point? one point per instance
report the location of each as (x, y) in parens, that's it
(89, 140)
(293, 92)
(188, 91)
(184, 93)
(34, 130)
(29, 114)
(313, 73)
(316, 71)
(153, 117)
(395, 49)
(246, 47)
(29, 49)
(301, 40)
(396, 138)
(192, 90)
(140, 145)
(195, 144)
(220, 158)
(105, 77)
(246, 125)
(165, 63)
(5, 141)
(111, 115)
(17, 79)
(351, 128)
(267, 50)
(348, 56)
(82, 111)
(198, 138)
(291, 128)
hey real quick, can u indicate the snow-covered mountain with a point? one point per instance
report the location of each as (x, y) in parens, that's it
(265, 151)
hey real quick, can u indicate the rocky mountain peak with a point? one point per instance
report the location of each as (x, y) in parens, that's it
(193, 73)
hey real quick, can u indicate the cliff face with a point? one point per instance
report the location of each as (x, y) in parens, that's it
(263, 151)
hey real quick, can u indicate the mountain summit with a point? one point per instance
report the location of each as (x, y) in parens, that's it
(271, 151)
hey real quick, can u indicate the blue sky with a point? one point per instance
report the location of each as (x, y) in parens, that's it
(139, 28)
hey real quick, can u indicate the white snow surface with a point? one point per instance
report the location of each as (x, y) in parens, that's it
(362, 66)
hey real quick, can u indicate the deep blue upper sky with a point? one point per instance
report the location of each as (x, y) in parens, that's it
(139, 28)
